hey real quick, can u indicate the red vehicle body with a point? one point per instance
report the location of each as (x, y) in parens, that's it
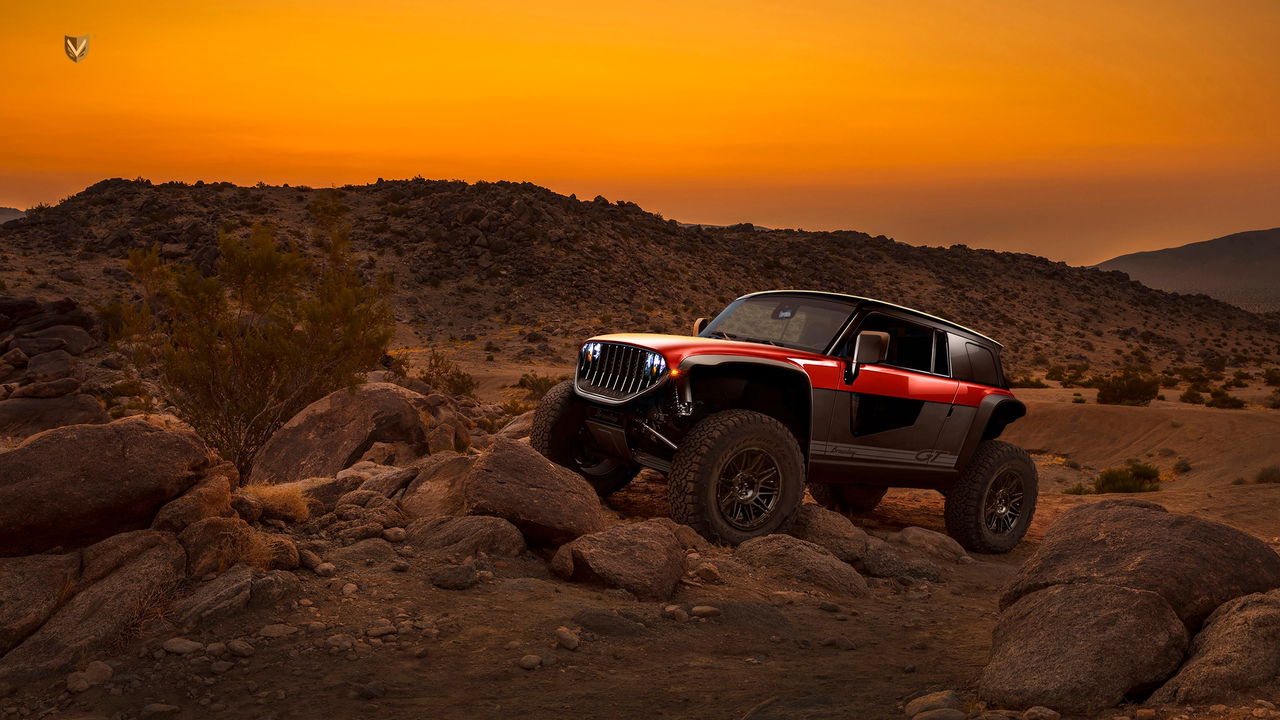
(874, 396)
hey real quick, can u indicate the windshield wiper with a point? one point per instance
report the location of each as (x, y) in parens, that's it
(762, 341)
(722, 334)
(741, 338)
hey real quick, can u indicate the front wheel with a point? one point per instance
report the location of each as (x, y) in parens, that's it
(738, 474)
(991, 505)
(559, 433)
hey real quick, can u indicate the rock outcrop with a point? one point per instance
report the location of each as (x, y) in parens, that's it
(1237, 650)
(792, 560)
(645, 558)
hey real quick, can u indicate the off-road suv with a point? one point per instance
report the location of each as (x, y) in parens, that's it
(849, 395)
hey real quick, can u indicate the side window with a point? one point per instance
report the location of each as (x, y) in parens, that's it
(910, 345)
(982, 365)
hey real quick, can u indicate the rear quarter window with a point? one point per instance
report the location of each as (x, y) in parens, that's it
(982, 365)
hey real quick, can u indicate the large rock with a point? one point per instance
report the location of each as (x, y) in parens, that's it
(211, 497)
(645, 558)
(883, 560)
(1194, 564)
(77, 340)
(791, 560)
(463, 536)
(74, 485)
(333, 432)
(1082, 648)
(49, 366)
(22, 417)
(144, 568)
(831, 530)
(1237, 650)
(547, 502)
(31, 588)
(437, 488)
(222, 597)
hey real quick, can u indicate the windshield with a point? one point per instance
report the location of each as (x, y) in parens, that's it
(794, 321)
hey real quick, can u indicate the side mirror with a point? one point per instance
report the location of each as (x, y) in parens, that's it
(871, 348)
(700, 324)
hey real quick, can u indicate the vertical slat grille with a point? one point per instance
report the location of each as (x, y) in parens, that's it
(618, 372)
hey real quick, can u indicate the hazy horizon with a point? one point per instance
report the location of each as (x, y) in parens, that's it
(1078, 131)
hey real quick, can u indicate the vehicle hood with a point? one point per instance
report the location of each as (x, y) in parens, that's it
(675, 348)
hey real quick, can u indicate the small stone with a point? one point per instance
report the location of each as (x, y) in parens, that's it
(530, 662)
(216, 649)
(221, 666)
(350, 589)
(933, 701)
(708, 573)
(181, 646)
(380, 631)
(1040, 712)
(966, 560)
(240, 648)
(159, 710)
(1265, 704)
(400, 566)
(277, 630)
(394, 534)
(839, 642)
(941, 714)
(567, 638)
(1219, 708)
(679, 615)
(1144, 714)
(828, 606)
(705, 611)
(326, 569)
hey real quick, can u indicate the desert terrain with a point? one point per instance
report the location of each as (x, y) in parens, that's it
(435, 565)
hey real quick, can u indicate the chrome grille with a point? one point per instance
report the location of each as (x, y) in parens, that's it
(616, 372)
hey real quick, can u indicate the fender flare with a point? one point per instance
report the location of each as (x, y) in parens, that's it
(690, 363)
(991, 406)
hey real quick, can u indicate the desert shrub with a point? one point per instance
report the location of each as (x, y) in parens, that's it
(1071, 464)
(1079, 400)
(1131, 478)
(1028, 382)
(1127, 388)
(1183, 465)
(282, 502)
(1216, 363)
(1219, 398)
(242, 351)
(1273, 401)
(1191, 396)
(1268, 474)
(1271, 377)
(442, 373)
(1079, 489)
(535, 385)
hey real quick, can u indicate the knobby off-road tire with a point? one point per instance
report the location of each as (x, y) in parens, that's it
(976, 513)
(736, 449)
(559, 434)
(847, 498)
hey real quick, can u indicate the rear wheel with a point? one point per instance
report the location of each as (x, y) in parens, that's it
(991, 505)
(559, 433)
(738, 474)
(847, 498)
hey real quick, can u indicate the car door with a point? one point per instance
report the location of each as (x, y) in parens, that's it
(884, 426)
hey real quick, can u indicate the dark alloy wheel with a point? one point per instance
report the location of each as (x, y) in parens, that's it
(738, 474)
(560, 435)
(991, 505)
(847, 498)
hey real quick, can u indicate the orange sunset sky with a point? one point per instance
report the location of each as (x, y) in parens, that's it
(1077, 130)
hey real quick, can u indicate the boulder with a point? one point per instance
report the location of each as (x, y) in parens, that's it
(215, 544)
(1194, 564)
(211, 497)
(519, 427)
(882, 560)
(463, 536)
(831, 530)
(101, 613)
(31, 589)
(50, 389)
(77, 340)
(1236, 651)
(75, 485)
(390, 482)
(38, 346)
(791, 560)
(333, 432)
(548, 503)
(437, 488)
(372, 552)
(23, 417)
(644, 558)
(219, 598)
(49, 366)
(322, 494)
(1082, 648)
(929, 542)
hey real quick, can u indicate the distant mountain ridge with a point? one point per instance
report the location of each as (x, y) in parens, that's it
(1242, 269)
(8, 213)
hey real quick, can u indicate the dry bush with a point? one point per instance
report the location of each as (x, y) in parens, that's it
(282, 502)
(1268, 474)
(442, 373)
(152, 606)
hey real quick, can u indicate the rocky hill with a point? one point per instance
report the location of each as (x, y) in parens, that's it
(526, 273)
(8, 213)
(1241, 269)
